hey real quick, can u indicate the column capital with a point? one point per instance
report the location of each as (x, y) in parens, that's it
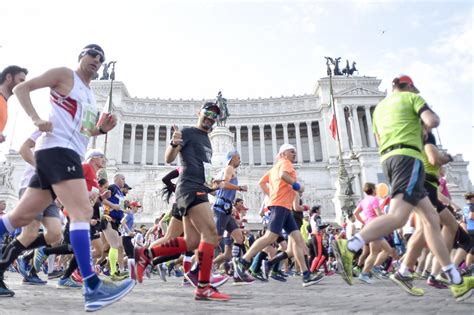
(238, 127)
(134, 125)
(273, 125)
(261, 126)
(284, 124)
(308, 123)
(297, 123)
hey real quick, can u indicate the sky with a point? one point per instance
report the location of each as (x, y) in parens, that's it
(251, 49)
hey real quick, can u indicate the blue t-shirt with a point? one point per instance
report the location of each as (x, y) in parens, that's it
(129, 221)
(117, 198)
(468, 209)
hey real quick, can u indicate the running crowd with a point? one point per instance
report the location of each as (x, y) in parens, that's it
(80, 229)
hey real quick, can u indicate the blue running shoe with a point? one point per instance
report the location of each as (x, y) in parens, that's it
(68, 283)
(33, 280)
(106, 293)
(23, 266)
(39, 259)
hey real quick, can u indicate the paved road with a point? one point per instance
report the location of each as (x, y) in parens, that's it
(332, 295)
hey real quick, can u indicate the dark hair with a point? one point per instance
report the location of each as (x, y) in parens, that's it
(102, 182)
(237, 200)
(468, 195)
(400, 86)
(369, 188)
(93, 47)
(315, 208)
(13, 70)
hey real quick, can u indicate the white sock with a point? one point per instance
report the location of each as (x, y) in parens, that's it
(355, 243)
(51, 260)
(453, 274)
(403, 270)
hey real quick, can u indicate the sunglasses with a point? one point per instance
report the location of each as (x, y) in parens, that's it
(94, 53)
(209, 114)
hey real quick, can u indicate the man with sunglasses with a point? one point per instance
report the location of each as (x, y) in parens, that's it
(194, 183)
(59, 151)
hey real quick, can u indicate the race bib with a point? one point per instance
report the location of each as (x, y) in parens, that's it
(88, 119)
(207, 173)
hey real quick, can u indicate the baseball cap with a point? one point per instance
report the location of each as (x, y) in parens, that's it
(404, 79)
(212, 106)
(285, 147)
(127, 187)
(135, 204)
(230, 155)
(93, 153)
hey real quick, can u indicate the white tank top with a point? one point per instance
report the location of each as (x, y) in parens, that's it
(73, 117)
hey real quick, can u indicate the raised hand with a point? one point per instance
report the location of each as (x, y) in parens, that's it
(177, 137)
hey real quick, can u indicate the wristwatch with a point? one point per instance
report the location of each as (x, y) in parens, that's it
(172, 144)
(102, 131)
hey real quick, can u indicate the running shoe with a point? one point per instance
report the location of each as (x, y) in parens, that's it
(239, 269)
(463, 290)
(259, 276)
(425, 275)
(313, 279)
(443, 279)
(170, 268)
(406, 283)
(356, 271)
(266, 268)
(329, 273)
(344, 259)
(218, 280)
(106, 293)
(379, 273)
(247, 279)
(118, 276)
(178, 273)
(435, 283)
(23, 267)
(192, 277)
(76, 276)
(141, 262)
(364, 277)
(186, 282)
(162, 270)
(275, 276)
(148, 270)
(55, 274)
(4, 290)
(210, 293)
(39, 258)
(33, 279)
(68, 283)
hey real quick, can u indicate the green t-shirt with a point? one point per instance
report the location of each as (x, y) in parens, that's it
(396, 121)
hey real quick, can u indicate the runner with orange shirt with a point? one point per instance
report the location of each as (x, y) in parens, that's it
(280, 185)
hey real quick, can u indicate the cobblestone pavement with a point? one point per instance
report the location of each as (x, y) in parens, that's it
(332, 295)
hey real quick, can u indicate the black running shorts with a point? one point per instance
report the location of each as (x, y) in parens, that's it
(406, 176)
(433, 195)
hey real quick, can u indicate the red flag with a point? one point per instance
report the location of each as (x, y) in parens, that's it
(333, 127)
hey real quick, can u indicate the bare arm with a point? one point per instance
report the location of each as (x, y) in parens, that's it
(296, 203)
(430, 119)
(172, 152)
(434, 156)
(263, 183)
(357, 215)
(27, 153)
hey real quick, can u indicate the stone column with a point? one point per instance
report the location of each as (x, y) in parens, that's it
(326, 139)
(285, 133)
(356, 135)
(262, 145)
(369, 127)
(144, 143)
(239, 141)
(250, 142)
(120, 147)
(310, 142)
(168, 137)
(299, 151)
(156, 145)
(131, 159)
(274, 140)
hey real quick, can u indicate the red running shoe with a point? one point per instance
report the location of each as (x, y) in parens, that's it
(218, 280)
(141, 262)
(76, 276)
(210, 294)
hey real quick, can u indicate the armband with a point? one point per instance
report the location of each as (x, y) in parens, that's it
(296, 186)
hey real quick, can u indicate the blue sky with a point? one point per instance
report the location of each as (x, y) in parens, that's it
(173, 49)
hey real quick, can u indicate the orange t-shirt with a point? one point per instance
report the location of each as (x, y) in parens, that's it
(3, 113)
(281, 193)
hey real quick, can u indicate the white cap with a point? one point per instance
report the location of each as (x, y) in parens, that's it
(285, 147)
(92, 153)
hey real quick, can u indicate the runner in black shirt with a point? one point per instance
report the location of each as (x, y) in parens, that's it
(194, 183)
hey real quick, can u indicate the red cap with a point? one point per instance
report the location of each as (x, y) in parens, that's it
(402, 78)
(306, 207)
(135, 204)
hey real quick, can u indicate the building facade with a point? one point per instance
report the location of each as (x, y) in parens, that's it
(257, 129)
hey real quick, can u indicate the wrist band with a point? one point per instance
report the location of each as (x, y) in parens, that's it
(296, 186)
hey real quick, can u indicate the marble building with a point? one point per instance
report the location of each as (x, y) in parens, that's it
(257, 128)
